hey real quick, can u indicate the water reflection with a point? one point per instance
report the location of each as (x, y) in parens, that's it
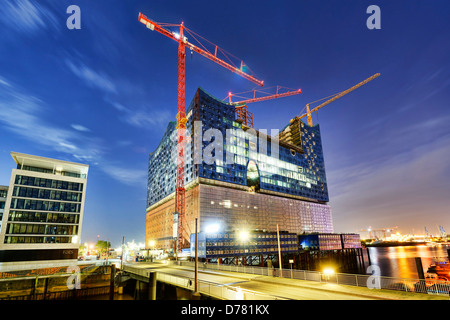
(400, 261)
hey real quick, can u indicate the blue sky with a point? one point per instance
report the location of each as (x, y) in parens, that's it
(104, 94)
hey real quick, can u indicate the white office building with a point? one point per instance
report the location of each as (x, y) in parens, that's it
(43, 211)
(3, 193)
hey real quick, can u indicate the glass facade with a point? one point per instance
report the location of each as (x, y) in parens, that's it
(48, 183)
(52, 171)
(330, 241)
(351, 240)
(43, 210)
(232, 209)
(162, 168)
(3, 194)
(253, 182)
(224, 244)
(284, 170)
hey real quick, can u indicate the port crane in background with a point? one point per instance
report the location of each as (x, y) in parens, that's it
(442, 232)
(246, 117)
(332, 98)
(213, 55)
(374, 231)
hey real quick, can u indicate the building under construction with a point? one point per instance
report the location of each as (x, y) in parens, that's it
(257, 181)
(212, 167)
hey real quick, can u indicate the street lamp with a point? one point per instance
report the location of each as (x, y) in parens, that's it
(244, 236)
(152, 244)
(212, 228)
(122, 253)
(196, 293)
(328, 272)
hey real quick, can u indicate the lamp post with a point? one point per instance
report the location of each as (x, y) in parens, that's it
(152, 244)
(196, 293)
(107, 250)
(244, 236)
(279, 253)
(121, 256)
(291, 261)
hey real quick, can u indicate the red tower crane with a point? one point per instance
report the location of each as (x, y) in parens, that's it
(181, 115)
(246, 117)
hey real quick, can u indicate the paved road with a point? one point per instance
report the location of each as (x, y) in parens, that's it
(286, 288)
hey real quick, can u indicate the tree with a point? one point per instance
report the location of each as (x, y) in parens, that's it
(82, 250)
(103, 246)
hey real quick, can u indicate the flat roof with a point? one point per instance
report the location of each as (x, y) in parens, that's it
(49, 163)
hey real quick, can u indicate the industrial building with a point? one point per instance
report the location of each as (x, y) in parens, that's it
(257, 180)
(256, 244)
(329, 241)
(43, 211)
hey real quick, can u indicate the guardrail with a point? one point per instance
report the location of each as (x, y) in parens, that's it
(215, 290)
(428, 286)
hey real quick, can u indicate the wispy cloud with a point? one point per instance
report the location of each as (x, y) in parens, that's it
(148, 119)
(4, 82)
(26, 16)
(79, 127)
(142, 117)
(136, 115)
(128, 176)
(19, 113)
(91, 77)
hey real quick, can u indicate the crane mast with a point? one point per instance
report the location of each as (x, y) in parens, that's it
(181, 114)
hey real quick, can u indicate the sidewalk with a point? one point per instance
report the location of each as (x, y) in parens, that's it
(384, 294)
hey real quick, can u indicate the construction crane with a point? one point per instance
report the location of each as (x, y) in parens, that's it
(333, 98)
(246, 117)
(374, 231)
(443, 234)
(181, 115)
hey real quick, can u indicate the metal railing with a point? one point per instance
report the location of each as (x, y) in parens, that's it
(209, 288)
(428, 286)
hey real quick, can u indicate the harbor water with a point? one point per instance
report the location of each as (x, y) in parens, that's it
(399, 261)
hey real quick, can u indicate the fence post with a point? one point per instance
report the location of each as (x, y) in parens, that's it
(34, 288)
(111, 281)
(45, 287)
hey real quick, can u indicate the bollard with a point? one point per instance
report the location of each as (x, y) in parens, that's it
(421, 274)
(419, 268)
(111, 282)
(152, 286)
